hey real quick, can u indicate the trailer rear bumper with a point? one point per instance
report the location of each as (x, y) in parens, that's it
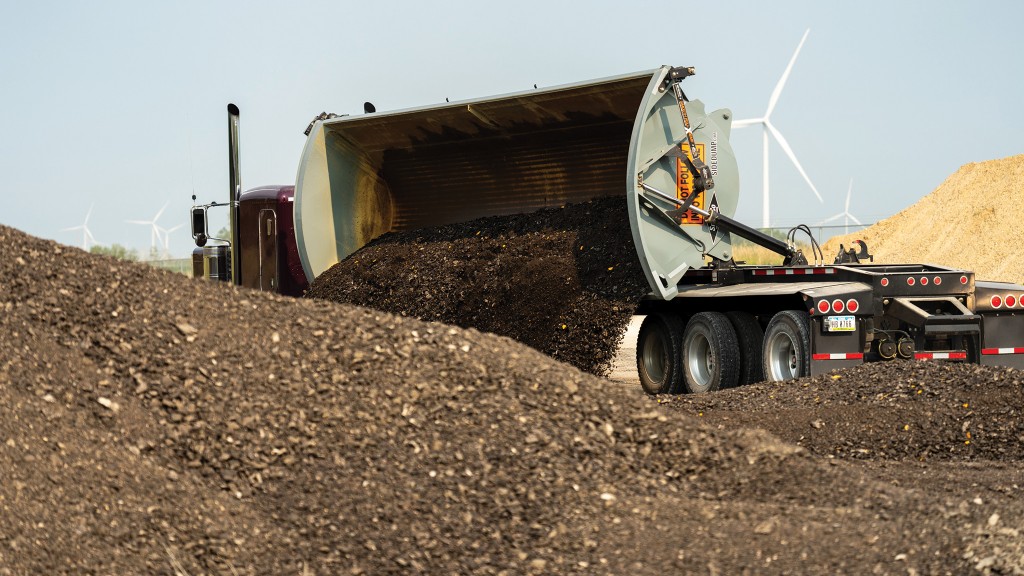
(1002, 342)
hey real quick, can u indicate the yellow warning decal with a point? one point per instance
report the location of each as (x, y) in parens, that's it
(684, 185)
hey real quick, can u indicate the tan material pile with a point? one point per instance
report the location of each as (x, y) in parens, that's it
(973, 220)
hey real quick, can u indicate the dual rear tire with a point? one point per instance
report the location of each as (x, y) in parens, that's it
(715, 350)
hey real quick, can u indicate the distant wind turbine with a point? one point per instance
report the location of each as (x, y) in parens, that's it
(167, 236)
(84, 227)
(846, 212)
(154, 229)
(766, 123)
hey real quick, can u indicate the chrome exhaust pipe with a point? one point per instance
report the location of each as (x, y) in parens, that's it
(235, 184)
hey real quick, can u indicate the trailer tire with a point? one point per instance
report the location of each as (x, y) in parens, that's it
(750, 337)
(657, 353)
(711, 353)
(787, 346)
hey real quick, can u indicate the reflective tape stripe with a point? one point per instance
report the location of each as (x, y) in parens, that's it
(845, 356)
(793, 271)
(940, 356)
(991, 351)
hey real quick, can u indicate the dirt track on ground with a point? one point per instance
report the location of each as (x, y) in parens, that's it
(156, 424)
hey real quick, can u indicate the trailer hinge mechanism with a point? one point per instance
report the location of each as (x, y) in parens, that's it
(702, 179)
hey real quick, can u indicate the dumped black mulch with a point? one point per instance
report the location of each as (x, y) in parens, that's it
(900, 410)
(564, 281)
(154, 424)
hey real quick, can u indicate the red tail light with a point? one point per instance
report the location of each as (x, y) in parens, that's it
(910, 280)
(885, 282)
(963, 279)
(924, 280)
(852, 305)
(937, 280)
(996, 302)
(1011, 300)
(837, 306)
(823, 306)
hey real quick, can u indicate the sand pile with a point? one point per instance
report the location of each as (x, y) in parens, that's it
(971, 221)
(564, 281)
(155, 424)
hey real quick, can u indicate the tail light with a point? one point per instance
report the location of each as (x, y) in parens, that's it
(910, 280)
(963, 279)
(924, 280)
(996, 302)
(885, 282)
(852, 306)
(837, 306)
(937, 280)
(1010, 300)
(823, 306)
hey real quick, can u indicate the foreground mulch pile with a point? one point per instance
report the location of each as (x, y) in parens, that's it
(154, 424)
(564, 281)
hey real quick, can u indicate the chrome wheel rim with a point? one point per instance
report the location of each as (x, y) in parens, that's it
(783, 360)
(700, 363)
(654, 357)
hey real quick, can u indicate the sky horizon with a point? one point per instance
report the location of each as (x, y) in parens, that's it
(121, 105)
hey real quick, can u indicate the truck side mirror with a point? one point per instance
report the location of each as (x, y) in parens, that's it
(199, 225)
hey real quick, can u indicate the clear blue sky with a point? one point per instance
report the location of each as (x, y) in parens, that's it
(122, 104)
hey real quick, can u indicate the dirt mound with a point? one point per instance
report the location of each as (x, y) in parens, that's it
(971, 221)
(884, 410)
(563, 281)
(159, 425)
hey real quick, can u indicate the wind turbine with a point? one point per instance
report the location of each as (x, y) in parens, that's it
(167, 237)
(766, 124)
(154, 229)
(84, 227)
(846, 212)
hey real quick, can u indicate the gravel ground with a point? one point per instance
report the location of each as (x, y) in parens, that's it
(156, 424)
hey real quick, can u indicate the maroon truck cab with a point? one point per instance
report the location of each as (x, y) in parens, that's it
(268, 254)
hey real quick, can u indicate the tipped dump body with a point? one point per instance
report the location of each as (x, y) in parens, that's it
(362, 176)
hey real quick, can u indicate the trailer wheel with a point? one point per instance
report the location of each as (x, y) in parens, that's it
(787, 346)
(750, 337)
(711, 353)
(657, 353)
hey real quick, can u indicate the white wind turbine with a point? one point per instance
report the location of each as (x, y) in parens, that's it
(84, 227)
(766, 123)
(845, 213)
(167, 236)
(154, 234)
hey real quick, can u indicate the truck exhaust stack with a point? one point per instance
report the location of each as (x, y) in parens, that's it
(235, 189)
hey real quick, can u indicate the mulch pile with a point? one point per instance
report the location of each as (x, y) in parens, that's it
(154, 424)
(564, 281)
(971, 221)
(900, 410)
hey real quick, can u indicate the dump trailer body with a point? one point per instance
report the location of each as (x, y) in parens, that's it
(362, 176)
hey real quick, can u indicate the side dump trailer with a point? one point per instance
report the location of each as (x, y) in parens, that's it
(711, 322)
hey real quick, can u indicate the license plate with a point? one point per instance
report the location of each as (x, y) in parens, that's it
(841, 323)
